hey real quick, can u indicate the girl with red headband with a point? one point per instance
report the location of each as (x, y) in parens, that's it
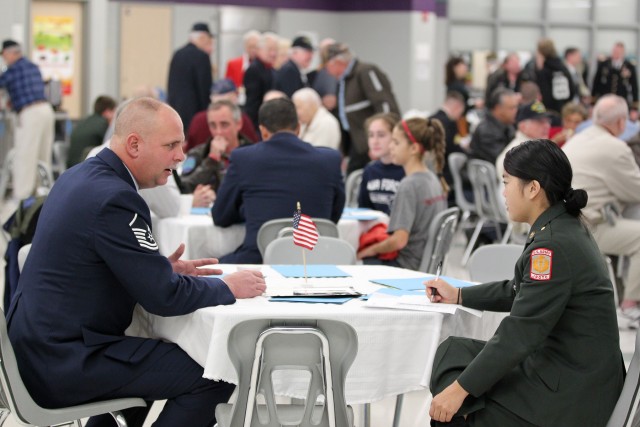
(422, 194)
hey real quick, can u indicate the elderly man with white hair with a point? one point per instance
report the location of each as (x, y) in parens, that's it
(605, 167)
(238, 65)
(317, 125)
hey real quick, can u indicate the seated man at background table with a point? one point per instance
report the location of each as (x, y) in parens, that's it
(199, 128)
(207, 163)
(89, 132)
(264, 181)
(93, 259)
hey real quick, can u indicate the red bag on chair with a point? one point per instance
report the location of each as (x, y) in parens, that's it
(376, 234)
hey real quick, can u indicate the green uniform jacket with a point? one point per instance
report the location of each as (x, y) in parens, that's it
(87, 134)
(555, 360)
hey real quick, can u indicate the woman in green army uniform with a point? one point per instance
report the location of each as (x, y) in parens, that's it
(555, 360)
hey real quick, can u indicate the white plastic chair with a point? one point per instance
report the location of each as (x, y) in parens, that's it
(17, 400)
(489, 207)
(457, 162)
(352, 188)
(328, 250)
(271, 230)
(494, 262)
(321, 351)
(625, 413)
(441, 232)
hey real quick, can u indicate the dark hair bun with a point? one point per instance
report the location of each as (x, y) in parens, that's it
(575, 200)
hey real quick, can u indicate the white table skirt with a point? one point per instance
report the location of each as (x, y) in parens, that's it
(203, 239)
(395, 347)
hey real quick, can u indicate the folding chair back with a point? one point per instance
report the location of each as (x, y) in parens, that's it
(625, 413)
(441, 232)
(270, 230)
(316, 354)
(17, 400)
(328, 250)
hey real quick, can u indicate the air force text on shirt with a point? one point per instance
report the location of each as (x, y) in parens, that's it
(387, 187)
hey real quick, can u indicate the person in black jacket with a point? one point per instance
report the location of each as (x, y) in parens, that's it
(553, 78)
(190, 74)
(618, 76)
(291, 76)
(258, 79)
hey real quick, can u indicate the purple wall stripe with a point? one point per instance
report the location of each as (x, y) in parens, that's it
(437, 6)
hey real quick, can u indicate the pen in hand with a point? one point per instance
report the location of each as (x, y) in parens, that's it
(434, 291)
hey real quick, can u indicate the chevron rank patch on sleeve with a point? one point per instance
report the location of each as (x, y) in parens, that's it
(142, 233)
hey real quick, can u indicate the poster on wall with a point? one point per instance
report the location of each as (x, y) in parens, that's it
(53, 49)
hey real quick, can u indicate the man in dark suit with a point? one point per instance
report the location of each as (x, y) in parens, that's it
(190, 75)
(258, 79)
(264, 181)
(93, 259)
(618, 76)
(291, 76)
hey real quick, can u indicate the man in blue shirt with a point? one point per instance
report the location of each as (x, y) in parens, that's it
(35, 125)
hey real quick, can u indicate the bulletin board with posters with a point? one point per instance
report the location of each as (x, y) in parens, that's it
(56, 47)
(53, 49)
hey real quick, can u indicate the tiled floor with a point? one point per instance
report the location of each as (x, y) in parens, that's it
(415, 404)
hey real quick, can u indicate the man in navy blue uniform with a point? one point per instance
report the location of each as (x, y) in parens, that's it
(264, 181)
(93, 258)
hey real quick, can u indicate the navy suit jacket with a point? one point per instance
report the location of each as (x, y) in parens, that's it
(288, 78)
(93, 258)
(264, 181)
(189, 85)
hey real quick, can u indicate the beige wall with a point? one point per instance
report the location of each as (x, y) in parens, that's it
(145, 47)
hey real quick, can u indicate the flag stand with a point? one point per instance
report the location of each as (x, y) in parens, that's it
(308, 234)
(304, 264)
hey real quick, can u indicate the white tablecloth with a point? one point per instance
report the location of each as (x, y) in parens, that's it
(395, 347)
(202, 239)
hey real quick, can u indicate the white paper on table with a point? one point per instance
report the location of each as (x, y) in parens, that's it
(418, 303)
(423, 301)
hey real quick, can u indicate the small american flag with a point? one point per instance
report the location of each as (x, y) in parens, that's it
(305, 233)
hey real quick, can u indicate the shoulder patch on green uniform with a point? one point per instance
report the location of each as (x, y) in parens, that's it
(541, 260)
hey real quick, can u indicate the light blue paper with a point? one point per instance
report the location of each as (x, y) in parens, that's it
(200, 211)
(313, 270)
(359, 214)
(360, 217)
(313, 300)
(398, 292)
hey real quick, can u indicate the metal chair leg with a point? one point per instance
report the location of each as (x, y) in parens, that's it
(120, 421)
(367, 414)
(396, 415)
(472, 241)
(507, 233)
(4, 414)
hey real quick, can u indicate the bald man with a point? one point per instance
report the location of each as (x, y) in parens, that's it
(93, 259)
